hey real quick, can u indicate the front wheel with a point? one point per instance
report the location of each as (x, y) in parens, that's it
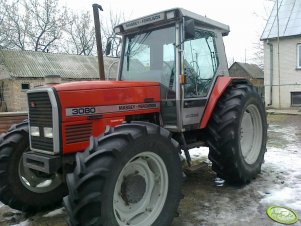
(129, 176)
(20, 187)
(237, 134)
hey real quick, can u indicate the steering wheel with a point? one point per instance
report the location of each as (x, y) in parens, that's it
(203, 86)
(191, 82)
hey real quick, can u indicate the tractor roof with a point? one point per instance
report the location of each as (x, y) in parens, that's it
(171, 14)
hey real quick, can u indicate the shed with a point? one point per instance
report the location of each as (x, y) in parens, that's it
(249, 71)
(23, 70)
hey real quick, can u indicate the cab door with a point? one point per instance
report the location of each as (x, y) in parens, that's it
(200, 64)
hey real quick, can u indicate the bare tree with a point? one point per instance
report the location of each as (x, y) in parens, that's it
(107, 28)
(258, 46)
(258, 54)
(80, 36)
(31, 24)
(14, 26)
(40, 25)
(2, 15)
(47, 23)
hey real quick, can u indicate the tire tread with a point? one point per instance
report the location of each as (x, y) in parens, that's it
(221, 133)
(81, 185)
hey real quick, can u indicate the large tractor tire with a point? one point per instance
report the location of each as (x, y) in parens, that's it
(237, 134)
(20, 187)
(129, 176)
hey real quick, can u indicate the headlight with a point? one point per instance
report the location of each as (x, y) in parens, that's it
(48, 133)
(170, 15)
(34, 131)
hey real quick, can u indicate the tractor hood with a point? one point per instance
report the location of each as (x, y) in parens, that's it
(107, 98)
(93, 85)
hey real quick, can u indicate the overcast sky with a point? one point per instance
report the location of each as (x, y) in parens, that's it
(245, 17)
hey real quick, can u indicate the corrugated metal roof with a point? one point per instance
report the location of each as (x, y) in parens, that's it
(289, 20)
(29, 64)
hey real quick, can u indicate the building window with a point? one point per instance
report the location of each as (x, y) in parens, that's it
(296, 99)
(299, 56)
(25, 86)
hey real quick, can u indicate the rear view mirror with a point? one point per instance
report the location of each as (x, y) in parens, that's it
(113, 46)
(189, 29)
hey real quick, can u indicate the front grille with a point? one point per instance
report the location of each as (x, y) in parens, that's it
(78, 133)
(40, 115)
(40, 109)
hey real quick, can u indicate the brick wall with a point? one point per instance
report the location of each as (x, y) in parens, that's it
(9, 118)
(7, 93)
(15, 98)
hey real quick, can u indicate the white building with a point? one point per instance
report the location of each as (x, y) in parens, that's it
(283, 82)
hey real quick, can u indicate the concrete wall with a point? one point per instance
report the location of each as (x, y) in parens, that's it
(290, 76)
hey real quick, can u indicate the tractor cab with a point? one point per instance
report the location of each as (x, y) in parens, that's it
(182, 51)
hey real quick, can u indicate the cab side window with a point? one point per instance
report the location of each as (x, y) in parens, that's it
(200, 63)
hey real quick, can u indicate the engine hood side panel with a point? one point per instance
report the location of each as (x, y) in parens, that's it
(87, 112)
(107, 99)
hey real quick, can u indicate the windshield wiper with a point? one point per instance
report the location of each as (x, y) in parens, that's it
(128, 52)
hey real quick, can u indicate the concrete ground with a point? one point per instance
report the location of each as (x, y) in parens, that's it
(210, 201)
(296, 111)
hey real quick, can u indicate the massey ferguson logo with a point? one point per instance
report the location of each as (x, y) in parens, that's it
(137, 106)
(126, 107)
(91, 110)
(144, 21)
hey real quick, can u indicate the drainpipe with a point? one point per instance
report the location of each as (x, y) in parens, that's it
(278, 53)
(271, 72)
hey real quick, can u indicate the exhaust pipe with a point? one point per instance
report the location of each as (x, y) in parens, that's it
(101, 69)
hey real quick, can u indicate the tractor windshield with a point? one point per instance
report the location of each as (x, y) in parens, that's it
(150, 56)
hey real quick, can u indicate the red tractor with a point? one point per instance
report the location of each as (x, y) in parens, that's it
(121, 141)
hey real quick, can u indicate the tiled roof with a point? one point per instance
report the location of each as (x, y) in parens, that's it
(289, 13)
(252, 69)
(29, 64)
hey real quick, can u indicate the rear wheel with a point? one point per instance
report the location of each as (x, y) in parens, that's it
(130, 176)
(20, 187)
(237, 134)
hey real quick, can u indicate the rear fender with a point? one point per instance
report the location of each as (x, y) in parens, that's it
(219, 88)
